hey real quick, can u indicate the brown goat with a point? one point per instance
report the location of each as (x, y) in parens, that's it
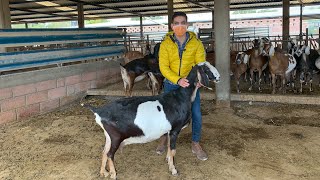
(281, 64)
(257, 61)
(132, 55)
(238, 64)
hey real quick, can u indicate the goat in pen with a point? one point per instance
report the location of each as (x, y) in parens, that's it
(144, 119)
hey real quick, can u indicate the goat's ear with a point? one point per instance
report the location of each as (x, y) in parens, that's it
(202, 76)
(246, 58)
(271, 51)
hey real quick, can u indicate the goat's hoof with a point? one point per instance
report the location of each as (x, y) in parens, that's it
(104, 173)
(113, 175)
(174, 172)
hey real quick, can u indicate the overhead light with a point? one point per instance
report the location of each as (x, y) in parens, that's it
(92, 16)
(47, 3)
(65, 8)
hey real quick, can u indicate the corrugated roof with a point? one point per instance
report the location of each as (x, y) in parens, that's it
(23, 11)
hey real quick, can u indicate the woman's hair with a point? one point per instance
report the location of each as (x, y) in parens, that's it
(176, 14)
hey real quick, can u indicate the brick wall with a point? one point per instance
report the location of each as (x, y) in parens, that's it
(26, 100)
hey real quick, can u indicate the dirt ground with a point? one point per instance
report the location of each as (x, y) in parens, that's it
(248, 141)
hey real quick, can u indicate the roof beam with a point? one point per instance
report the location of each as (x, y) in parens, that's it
(199, 4)
(99, 5)
(37, 12)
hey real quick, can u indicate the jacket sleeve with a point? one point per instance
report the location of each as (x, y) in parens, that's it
(164, 64)
(200, 54)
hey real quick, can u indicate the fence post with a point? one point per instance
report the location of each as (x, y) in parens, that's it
(129, 43)
(125, 40)
(319, 37)
(307, 37)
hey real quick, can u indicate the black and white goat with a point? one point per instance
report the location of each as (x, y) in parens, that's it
(136, 70)
(306, 65)
(144, 119)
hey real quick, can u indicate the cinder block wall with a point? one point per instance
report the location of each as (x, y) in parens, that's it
(43, 91)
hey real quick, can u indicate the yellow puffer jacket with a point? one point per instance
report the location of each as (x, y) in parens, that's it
(171, 66)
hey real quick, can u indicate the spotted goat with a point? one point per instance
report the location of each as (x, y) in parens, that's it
(144, 119)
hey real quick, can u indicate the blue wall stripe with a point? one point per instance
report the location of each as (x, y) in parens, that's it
(60, 50)
(53, 38)
(30, 64)
(57, 30)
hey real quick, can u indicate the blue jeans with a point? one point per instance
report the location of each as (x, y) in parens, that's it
(195, 110)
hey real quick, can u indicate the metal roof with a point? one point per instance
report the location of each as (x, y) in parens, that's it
(27, 11)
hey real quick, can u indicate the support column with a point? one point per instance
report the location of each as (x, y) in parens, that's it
(300, 25)
(319, 37)
(285, 23)
(170, 13)
(212, 32)
(80, 15)
(5, 18)
(141, 29)
(212, 19)
(222, 49)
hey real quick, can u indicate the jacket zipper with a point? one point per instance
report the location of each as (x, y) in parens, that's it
(181, 53)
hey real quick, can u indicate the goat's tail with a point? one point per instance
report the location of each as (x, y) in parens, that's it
(91, 108)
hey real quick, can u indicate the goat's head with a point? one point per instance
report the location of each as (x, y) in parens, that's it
(242, 58)
(302, 49)
(291, 44)
(269, 49)
(265, 40)
(206, 72)
(260, 43)
(257, 43)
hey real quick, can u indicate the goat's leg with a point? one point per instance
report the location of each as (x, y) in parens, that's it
(273, 77)
(294, 74)
(292, 83)
(310, 76)
(149, 83)
(260, 79)
(126, 80)
(103, 171)
(283, 84)
(238, 85)
(172, 152)
(270, 79)
(301, 77)
(251, 79)
(115, 143)
(169, 150)
(112, 169)
(131, 83)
